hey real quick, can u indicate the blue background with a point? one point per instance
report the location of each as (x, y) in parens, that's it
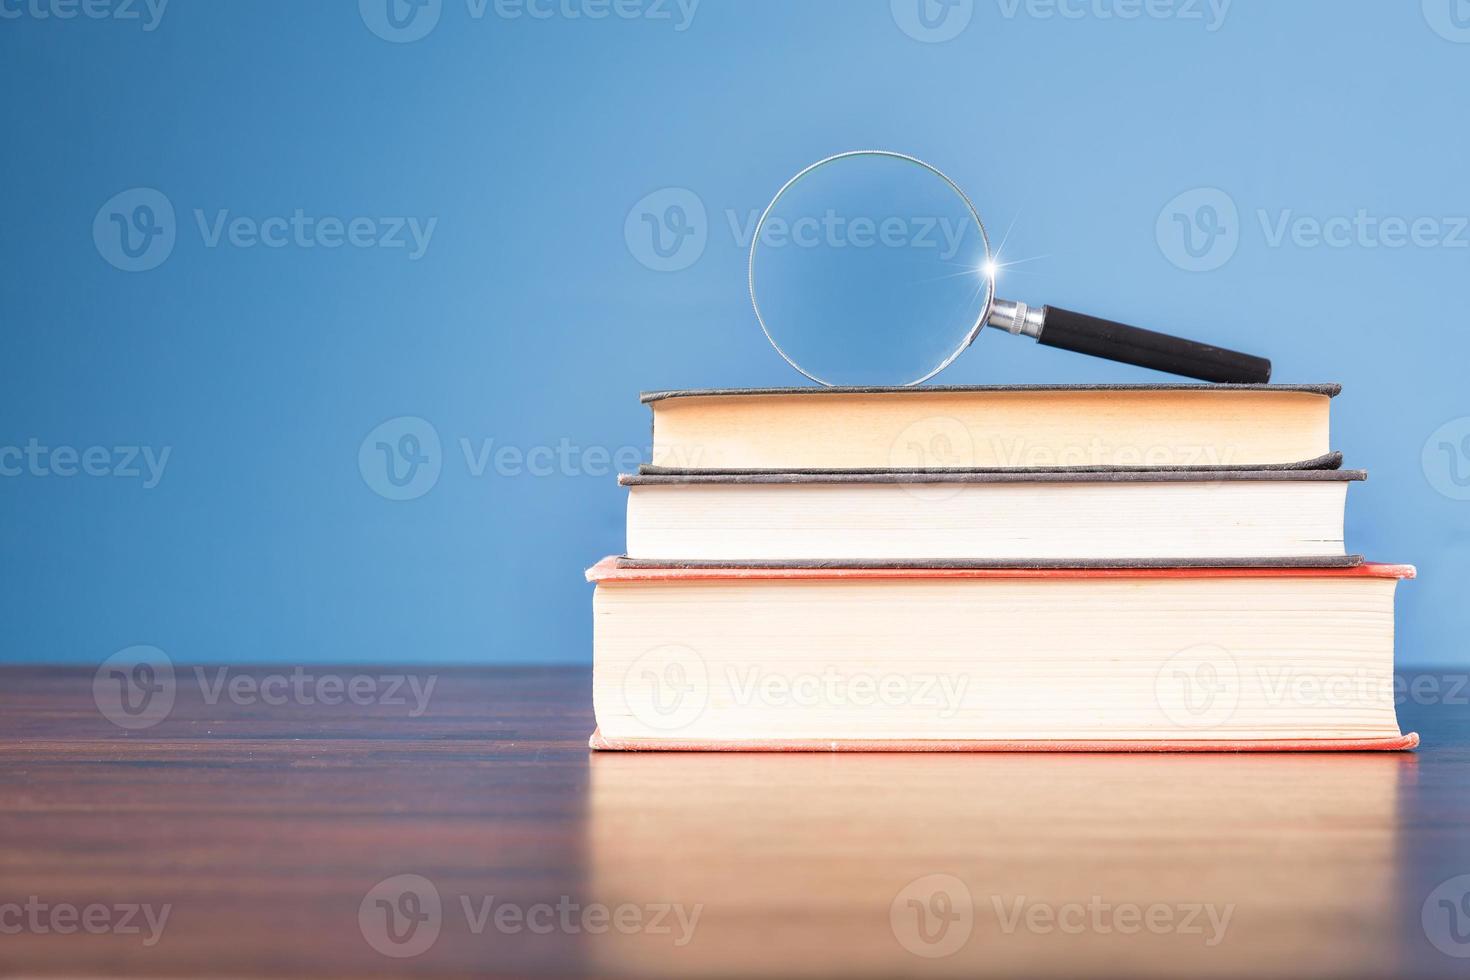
(530, 319)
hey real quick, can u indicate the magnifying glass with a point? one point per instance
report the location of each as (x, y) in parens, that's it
(873, 268)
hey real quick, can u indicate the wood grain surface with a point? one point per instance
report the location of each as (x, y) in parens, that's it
(276, 835)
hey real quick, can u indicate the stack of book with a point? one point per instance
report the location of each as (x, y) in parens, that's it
(1109, 567)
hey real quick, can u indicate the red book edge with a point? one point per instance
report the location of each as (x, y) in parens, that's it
(1396, 743)
(608, 571)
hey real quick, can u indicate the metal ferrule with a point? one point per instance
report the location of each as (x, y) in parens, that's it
(1018, 318)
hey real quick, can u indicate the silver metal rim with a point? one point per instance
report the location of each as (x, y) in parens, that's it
(984, 238)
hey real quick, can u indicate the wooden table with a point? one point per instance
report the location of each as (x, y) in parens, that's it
(274, 837)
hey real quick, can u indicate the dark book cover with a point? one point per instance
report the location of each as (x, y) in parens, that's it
(911, 477)
(1330, 390)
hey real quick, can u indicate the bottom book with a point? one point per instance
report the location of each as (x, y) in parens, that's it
(1018, 659)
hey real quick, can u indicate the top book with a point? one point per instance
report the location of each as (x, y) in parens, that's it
(992, 428)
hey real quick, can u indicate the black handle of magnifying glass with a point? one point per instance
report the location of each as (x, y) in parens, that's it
(1145, 348)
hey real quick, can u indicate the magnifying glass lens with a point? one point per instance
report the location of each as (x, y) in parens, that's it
(870, 268)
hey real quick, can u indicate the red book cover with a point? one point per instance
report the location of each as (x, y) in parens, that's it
(611, 571)
(1395, 744)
